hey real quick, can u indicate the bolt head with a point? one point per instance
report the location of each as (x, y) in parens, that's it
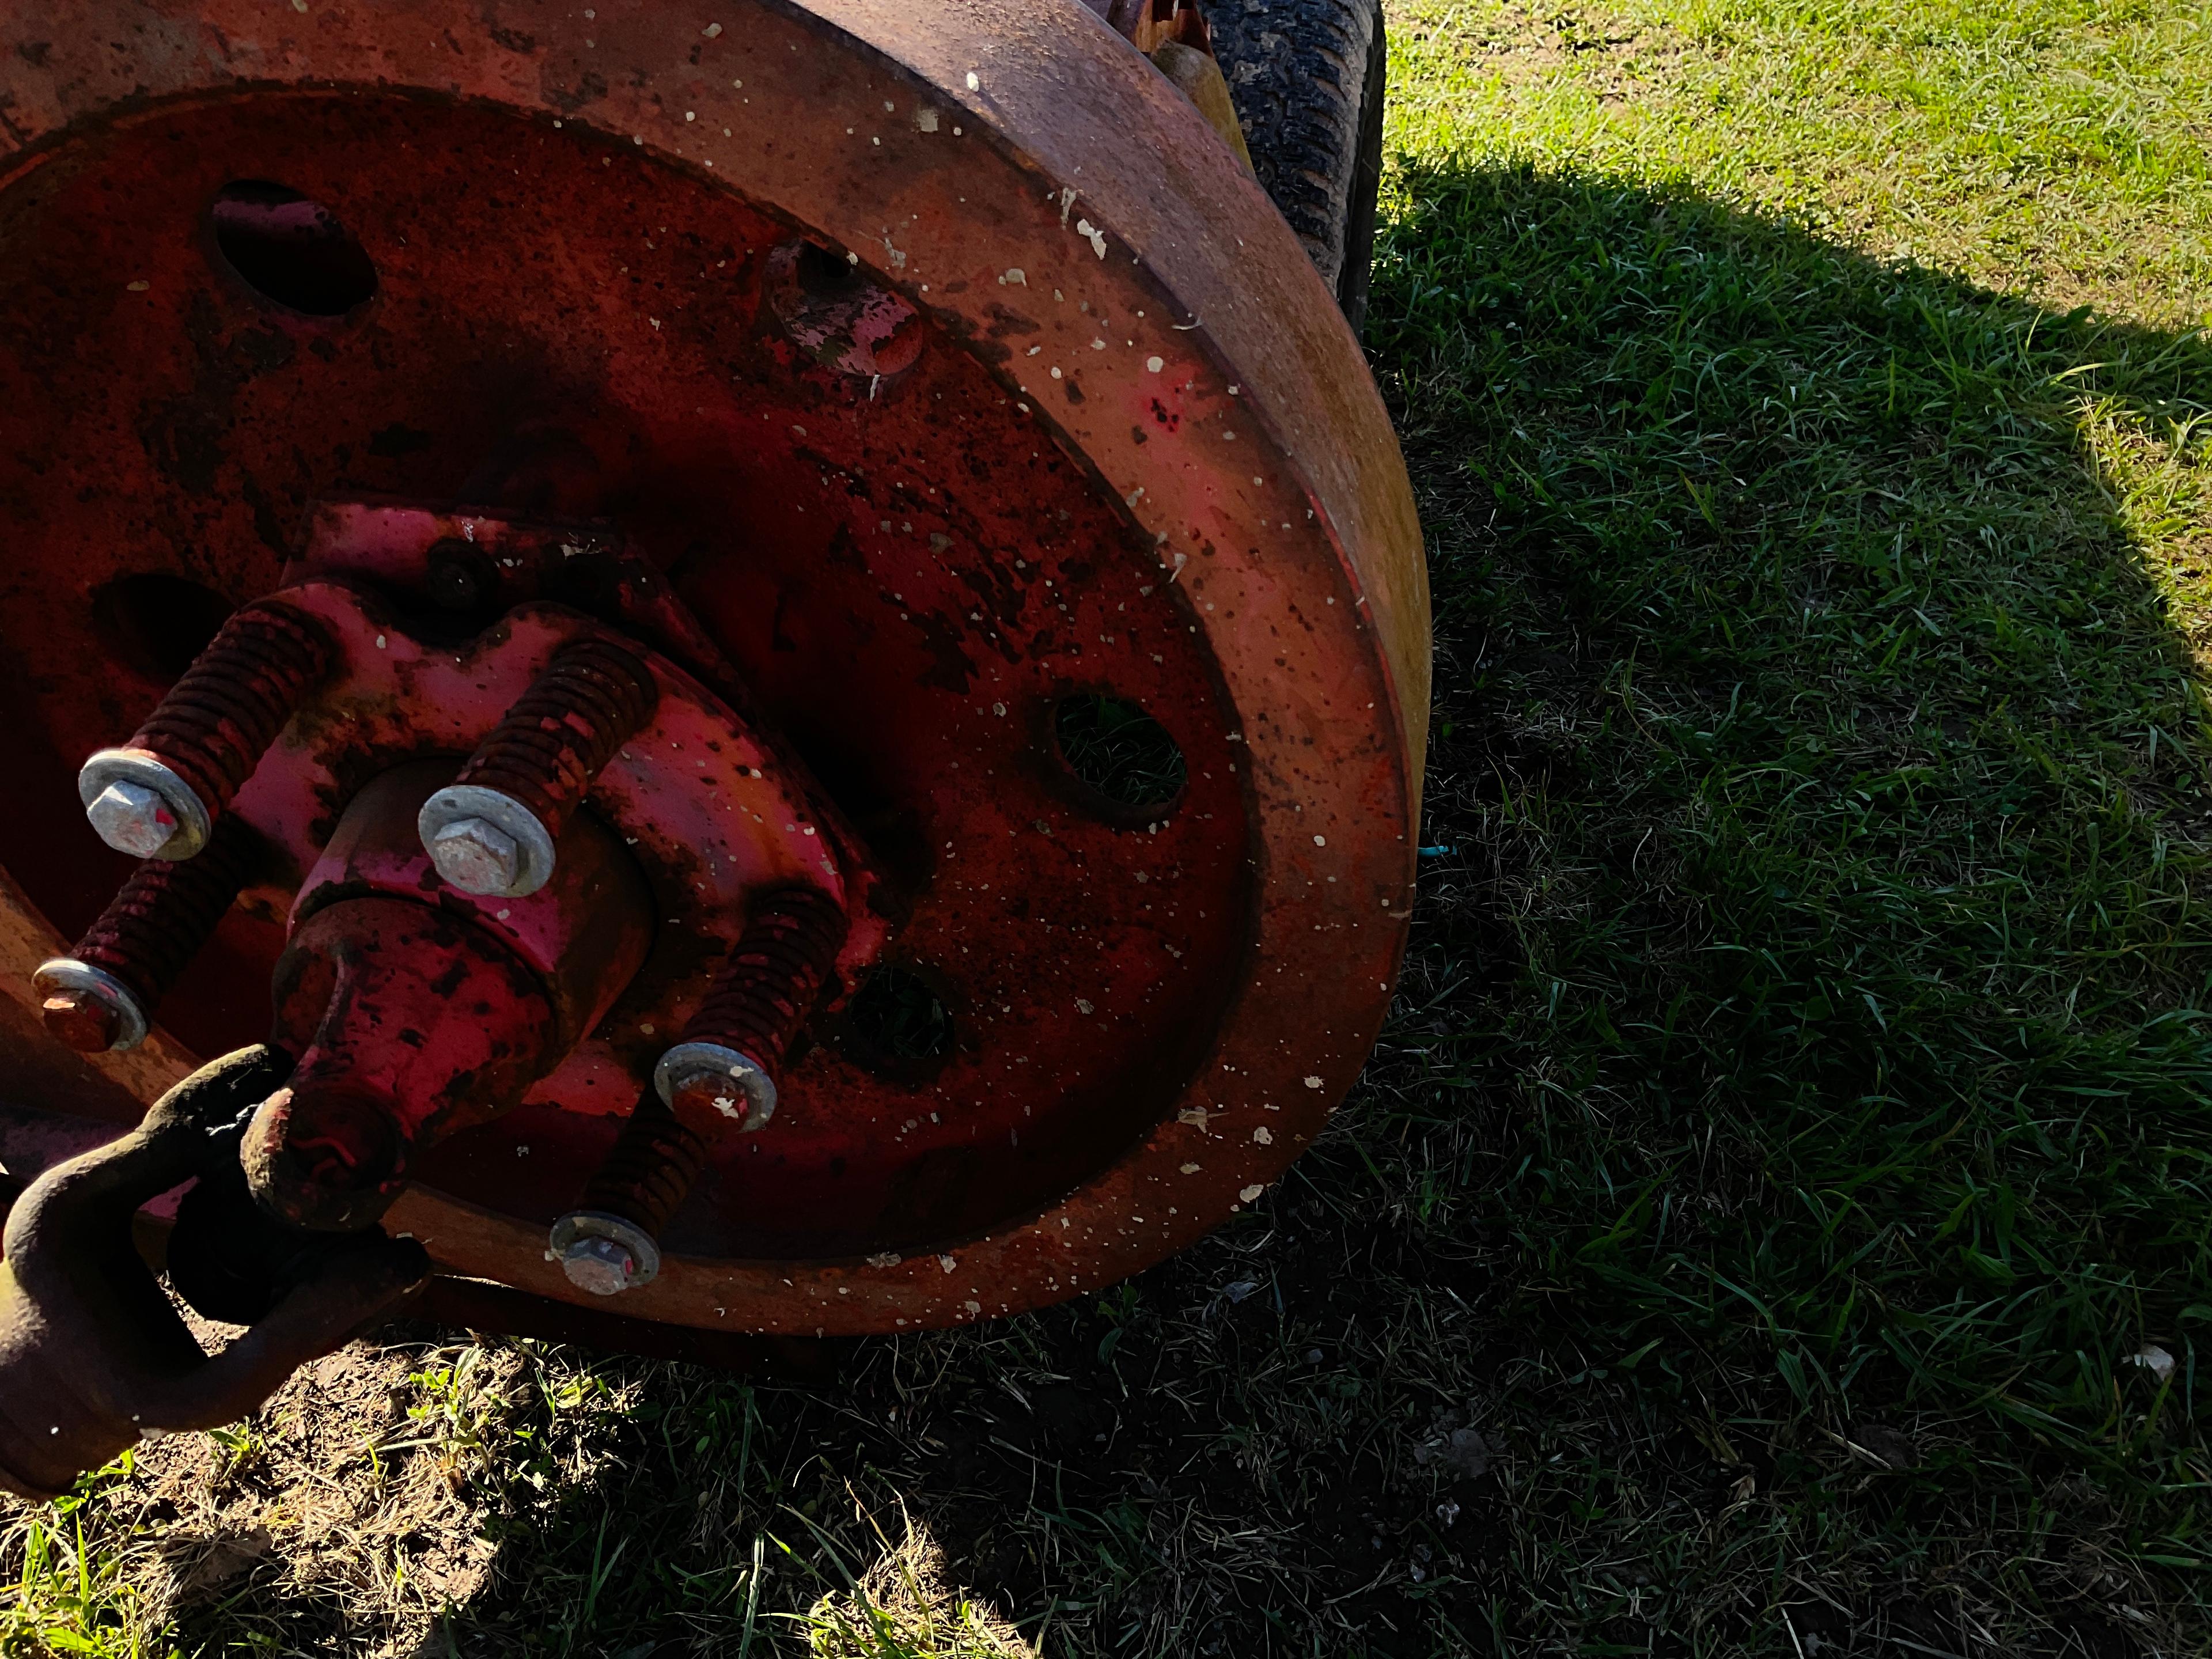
(81, 1021)
(477, 856)
(132, 818)
(600, 1265)
(698, 1093)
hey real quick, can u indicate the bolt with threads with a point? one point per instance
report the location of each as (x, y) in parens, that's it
(102, 995)
(492, 830)
(161, 795)
(720, 1080)
(610, 1241)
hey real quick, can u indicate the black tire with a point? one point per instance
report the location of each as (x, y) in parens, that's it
(1307, 79)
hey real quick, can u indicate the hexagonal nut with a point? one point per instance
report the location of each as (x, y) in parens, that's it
(132, 818)
(600, 1265)
(715, 1089)
(86, 1007)
(81, 1021)
(477, 856)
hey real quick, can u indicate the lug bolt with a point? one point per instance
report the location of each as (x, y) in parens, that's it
(81, 1021)
(477, 856)
(600, 1265)
(725, 1068)
(720, 1080)
(86, 1009)
(610, 1241)
(137, 804)
(710, 1076)
(604, 1254)
(531, 774)
(159, 795)
(102, 995)
(132, 818)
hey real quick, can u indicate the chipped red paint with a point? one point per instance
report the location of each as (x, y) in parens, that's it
(409, 1022)
(1135, 451)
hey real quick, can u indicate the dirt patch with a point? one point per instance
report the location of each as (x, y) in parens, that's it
(338, 1516)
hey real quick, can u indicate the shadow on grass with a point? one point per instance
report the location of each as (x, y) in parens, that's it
(1796, 1118)
(1830, 778)
(1825, 769)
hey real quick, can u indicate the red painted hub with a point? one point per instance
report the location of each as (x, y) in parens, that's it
(910, 472)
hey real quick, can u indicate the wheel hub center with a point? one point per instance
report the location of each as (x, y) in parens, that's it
(616, 834)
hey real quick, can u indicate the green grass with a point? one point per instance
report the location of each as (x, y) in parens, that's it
(1821, 741)
(1796, 1115)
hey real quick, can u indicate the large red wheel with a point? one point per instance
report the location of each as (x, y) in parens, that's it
(1007, 458)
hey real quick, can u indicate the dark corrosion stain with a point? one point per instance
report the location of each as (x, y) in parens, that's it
(266, 523)
(953, 670)
(390, 443)
(591, 87)
(844, 550)
(1005, 322)
(265, 349)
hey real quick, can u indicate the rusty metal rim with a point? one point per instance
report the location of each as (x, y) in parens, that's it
(1345, 478)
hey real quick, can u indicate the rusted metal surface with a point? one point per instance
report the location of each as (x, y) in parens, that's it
(1174, 35)
(92, 1355)
(1149, 24)
(579, 938)
(409, 1025)
(1134, 452)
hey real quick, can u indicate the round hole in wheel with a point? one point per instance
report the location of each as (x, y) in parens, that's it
(1116, 748)
(290, 249)
(871, 586)
(898, 1025)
